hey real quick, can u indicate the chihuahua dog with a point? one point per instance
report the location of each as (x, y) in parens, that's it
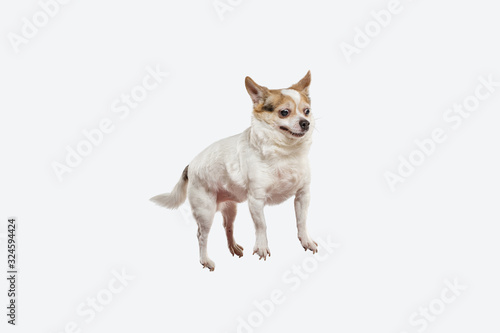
(266, 164)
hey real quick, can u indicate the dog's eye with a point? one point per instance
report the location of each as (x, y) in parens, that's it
(284, 112)
(307, 111)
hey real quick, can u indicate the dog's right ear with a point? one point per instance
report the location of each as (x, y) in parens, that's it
(303, 84)
(256, 92)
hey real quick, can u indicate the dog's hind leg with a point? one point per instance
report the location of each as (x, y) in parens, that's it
(204, 206)
(228, 210)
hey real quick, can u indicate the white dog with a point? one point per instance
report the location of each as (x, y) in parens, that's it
(266, 164)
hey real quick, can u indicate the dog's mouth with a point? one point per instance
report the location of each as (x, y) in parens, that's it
(292, 133)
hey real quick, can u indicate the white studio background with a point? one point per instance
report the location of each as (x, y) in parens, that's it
(423, 257)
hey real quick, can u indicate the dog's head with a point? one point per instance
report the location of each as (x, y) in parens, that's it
(286, 110)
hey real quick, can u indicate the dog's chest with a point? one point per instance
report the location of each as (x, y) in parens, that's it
(286, 180)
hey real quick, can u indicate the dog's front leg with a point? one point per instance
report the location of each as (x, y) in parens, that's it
(256, 207)
(302, 198)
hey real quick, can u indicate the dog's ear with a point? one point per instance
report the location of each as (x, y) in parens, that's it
(256, 92)
(303, 85)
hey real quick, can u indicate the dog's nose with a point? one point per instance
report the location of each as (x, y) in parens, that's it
(304, 124)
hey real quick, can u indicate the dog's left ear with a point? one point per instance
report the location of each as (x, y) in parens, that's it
(256, 92)
(303, 85)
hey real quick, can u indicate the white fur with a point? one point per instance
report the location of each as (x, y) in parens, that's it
(175, 198)
(263, 165)
(294, 94)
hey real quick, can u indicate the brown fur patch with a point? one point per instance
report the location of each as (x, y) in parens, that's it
(303, 85)
(185, 173)
(305, 98)
(268, 107)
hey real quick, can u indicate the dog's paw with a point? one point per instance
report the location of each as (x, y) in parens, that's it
(208, 264)
(236, 249)
(262, 251)
(309, 244)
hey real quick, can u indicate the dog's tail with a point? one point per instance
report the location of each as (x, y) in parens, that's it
(177, 196)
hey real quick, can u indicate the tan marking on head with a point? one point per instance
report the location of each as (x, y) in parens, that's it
(269, 102)
(277, 100)
(266, 110)
(300, 100)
